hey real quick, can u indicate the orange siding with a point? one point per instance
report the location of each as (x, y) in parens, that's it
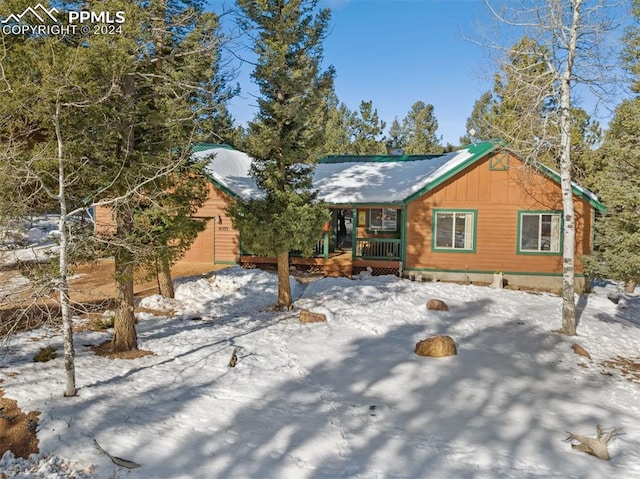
(105, 222)
(201, 250)
(219, 241)
(497, 196)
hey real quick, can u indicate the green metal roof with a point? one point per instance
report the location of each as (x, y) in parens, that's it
(333, 159)
(198, 147)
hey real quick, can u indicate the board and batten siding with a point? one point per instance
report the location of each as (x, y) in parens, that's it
(497, 197)
(105, 223)
(218, 243)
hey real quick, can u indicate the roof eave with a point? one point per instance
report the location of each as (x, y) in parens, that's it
(555, 176)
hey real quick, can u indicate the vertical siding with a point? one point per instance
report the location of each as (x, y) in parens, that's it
(218, 243)
(497, 196)
(220, 239)
(201, 250)
(105, 222)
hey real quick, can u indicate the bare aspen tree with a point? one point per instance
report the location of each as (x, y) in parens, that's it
(571, 47)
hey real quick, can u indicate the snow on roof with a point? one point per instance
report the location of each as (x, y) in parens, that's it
(230, 169)
(373, 181)
(355, 180)
(352, 179)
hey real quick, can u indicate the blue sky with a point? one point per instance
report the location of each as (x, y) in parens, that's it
(394, 53)
(397, 52)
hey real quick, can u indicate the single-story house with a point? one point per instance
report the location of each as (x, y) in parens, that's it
(458, 216)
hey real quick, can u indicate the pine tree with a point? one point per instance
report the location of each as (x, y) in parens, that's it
(51, 103)
(478, 124)
(286, 132)
(367, 131)
(522, 110)
(397, 134)
(617, 239)
(166, 227)
(168, 91)
(420, 126)
(129, 107)
(338, 128)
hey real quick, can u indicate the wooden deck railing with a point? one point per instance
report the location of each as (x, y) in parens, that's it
(320, 250)
(377, 248)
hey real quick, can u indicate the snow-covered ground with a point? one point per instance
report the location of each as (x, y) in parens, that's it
(345, 398)
(30, 241)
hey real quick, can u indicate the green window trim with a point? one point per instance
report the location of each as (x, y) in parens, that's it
(540, 241)
(382, 229)
(473, 223)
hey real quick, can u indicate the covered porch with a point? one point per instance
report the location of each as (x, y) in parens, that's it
(356, 239)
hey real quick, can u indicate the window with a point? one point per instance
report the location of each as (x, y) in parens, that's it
(454, 230)
(539, 232)
(383, 219)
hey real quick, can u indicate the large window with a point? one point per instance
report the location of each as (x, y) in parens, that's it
(539, 232)
(383, 219)
(454, 230)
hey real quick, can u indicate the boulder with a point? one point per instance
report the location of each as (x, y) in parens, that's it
(437, 305)
(436, 347)
(307, 316)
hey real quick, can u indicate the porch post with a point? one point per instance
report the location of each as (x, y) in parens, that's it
(354, 231)
(325, 246)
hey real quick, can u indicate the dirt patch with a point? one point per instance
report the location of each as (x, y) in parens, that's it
(17, 429)
(95, 282)
(92, 289)
(629, 368)
(105, 349)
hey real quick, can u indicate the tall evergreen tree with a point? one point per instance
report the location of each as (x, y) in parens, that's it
(522, 109)
(367, 131)
(338, 128)
(420, 126)
(617, 239)
(286, 132)
(120, 115)
(397, 134)
(479, 123)
(168, 91)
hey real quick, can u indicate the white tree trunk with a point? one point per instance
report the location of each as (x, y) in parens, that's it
(63, 282)
(569, 228)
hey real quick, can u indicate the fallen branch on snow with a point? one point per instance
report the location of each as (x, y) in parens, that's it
(595, 446)
(117, 460)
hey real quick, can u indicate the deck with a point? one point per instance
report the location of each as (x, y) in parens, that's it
(336, 265)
